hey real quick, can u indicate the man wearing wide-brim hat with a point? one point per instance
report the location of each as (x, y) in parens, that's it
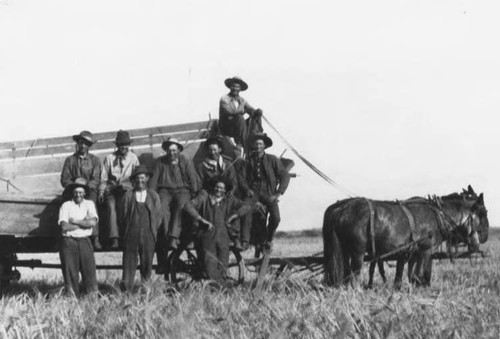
(265, 181)
(175, 180)
(142, 216)
(83, 164)
(232, 108)
(115, 182)
(77, 218)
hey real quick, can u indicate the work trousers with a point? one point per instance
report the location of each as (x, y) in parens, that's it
(256, 222)
(214, 252)
(172, 203)
(114, 205)
(139, 241)
(77, 256)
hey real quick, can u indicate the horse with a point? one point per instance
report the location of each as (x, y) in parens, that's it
(407, 231)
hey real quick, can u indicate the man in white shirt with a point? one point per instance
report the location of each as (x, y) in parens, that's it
(77, 218)
(115, 182)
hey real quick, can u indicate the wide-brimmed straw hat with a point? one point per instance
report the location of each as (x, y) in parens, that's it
(122, 137)
(86, 136)
(172, 141)
(229, 81)
(214, 140)
(262, 136)
(141, 169)
(79, 182)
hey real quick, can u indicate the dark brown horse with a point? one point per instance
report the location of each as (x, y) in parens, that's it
(408, 230)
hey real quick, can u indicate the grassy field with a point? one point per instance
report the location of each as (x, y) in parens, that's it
(463, 302)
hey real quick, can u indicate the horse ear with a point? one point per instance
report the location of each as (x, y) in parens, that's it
(481, 199)
(470, 190)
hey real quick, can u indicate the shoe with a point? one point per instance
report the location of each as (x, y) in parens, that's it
(268, 245)
(237, 245)
(114, 244)
(245, 246)
(96, 244)
(172, 243)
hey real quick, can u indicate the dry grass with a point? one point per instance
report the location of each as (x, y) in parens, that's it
(462, 303)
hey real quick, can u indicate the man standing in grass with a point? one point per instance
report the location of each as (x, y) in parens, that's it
(115, 182)
(142, 217)
(77, 217)
(83, 164)
(217, 210)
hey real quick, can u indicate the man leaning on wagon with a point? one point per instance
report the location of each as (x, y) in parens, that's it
(115, 182)
(83, 164)
(265, 180)
(174, 178)
(142, 217)
(77, 217)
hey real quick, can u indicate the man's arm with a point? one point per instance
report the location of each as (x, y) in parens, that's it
(192, 177)
(282, 175)
(153, 182)
(84, 223)
(66, 174)
(96, 173)
(68, 227)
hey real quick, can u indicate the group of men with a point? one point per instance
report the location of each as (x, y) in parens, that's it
(143, 207)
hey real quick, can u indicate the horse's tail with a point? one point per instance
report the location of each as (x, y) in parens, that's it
(332, 251)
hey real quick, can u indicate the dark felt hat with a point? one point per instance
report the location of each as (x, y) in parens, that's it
(86, 136)
(172, 141)
(262, 136)
(229, 81)
(122, 137)
(213, 181)
(141, 169)
(214, 140)
(79, 182)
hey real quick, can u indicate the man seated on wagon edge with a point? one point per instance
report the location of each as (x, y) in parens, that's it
(232, 108)
(218, 211)
(77, 217)
(142, 217)
(83, 164)
(215, 165)
(175, 180)
(115, 182)
(264, 181)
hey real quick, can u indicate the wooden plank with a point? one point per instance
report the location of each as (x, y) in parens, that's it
(262, 271)
(67, 140)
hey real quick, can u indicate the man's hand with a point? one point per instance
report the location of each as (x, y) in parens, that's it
(250, 194)
(259, 207)
(210, 226)
(101, 197)
(275, 197)
(231, 219)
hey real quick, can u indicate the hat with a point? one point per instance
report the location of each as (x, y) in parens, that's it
(172, 141)
(122, 137)
(229, 81)
(213, 181)
(214, 140)
(141, 169)
(262, 136)
(86, 136)
(79, 182)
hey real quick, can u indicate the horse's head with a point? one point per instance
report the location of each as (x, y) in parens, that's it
(469, 217)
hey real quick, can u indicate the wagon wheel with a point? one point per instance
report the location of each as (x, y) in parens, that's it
(183, 266)
(236, 268)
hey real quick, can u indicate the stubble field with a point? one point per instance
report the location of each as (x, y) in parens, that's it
(463, 302)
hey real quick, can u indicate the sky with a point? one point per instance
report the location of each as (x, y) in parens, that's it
(391, 99)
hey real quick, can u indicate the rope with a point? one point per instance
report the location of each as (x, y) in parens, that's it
(309, 164)
(9, 183)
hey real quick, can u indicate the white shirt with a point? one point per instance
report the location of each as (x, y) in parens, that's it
(85, 210)
(140, 196)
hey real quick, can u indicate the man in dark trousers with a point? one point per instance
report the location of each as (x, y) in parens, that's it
(232, 108)
(115, 182)
(77, 217)
(175, 180)
(142, 217)
(83, 164)
(265, 181)
(217, 210)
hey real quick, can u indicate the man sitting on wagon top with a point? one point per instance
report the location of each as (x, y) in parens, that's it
(215, 165)
(83, 164)
(174, 178)
(218, 211)
(77, 218)
(115, 182)
(232, 108)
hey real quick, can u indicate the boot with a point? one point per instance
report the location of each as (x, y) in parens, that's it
(237, 245)
(96, 243)
(113, 244)
(245, 246)
(172, 243)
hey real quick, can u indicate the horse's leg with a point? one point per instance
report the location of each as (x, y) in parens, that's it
(347, 266)
(381, 270)
(400, 266)
(371, 272)
(356, 264)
